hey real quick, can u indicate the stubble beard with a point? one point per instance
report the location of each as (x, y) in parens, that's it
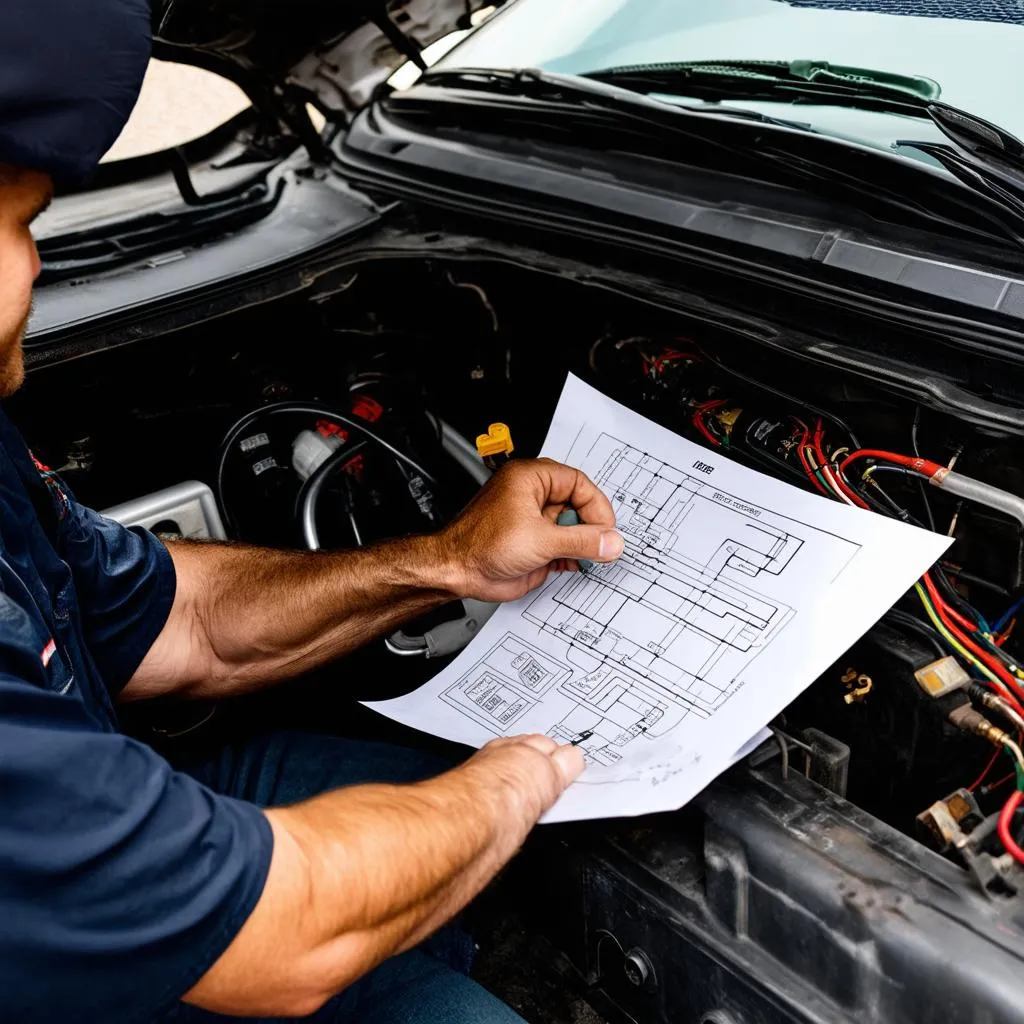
(12, 360)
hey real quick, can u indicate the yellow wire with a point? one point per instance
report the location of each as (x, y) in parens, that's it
(951, 640)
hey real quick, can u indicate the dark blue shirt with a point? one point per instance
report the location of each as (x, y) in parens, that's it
(121, 880)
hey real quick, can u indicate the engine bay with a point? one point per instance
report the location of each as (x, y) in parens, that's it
(347, 420)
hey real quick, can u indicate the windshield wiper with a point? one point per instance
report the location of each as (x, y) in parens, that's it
(983, 156)
(795, 81)
(530, 83)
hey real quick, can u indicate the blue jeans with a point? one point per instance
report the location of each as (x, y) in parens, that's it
(428, 985)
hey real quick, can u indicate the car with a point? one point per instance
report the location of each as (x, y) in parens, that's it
(788, 230)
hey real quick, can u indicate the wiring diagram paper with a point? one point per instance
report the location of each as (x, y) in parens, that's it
(734, 593)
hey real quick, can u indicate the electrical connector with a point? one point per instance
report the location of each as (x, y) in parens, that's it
(942, 676)
(996, 703)
(966, 718)
(495, 447)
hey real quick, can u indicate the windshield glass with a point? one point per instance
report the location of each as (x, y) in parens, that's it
(971, 48)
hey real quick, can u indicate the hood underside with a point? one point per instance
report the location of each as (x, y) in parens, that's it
(332, 53)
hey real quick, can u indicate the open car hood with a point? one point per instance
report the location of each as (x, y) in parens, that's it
(284, 53)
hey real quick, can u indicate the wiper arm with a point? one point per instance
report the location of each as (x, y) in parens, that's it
(983, 156)
(550, 87)
(819, 82)
(795, 81)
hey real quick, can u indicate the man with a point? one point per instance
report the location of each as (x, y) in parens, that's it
(130, 891)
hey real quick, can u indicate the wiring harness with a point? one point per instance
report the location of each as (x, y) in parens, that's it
(803, 447)
(851, 477)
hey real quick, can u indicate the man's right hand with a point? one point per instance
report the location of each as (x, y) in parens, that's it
(524, 776)
(362, 873)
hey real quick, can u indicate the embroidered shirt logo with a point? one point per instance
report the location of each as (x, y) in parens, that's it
(48, 652)
(55, 487)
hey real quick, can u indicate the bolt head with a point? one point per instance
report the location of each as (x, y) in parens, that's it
(637, 967)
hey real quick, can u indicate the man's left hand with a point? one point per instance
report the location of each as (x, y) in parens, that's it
(506, 542)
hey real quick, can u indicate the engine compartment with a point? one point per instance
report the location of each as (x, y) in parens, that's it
(420, 348)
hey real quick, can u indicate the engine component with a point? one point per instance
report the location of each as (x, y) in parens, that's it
(344, 419)
(312, 448)
(951, 820)
(984, 494)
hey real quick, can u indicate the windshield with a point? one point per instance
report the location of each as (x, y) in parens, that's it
(971, 48)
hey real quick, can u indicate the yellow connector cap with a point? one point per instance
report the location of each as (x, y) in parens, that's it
(497, 441)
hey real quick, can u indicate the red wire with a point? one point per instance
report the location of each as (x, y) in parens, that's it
(918, 465)
(819, 451)
(801, 444)
(1005, 635)
(699, 424)
(981, 778)
(1000, 782)
(938, 599)
(698, 418)
(1005, 821)
(1010, 688)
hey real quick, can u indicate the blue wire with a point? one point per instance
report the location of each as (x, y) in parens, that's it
(1003, 619)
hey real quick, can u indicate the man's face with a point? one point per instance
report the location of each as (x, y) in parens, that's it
(23, 195)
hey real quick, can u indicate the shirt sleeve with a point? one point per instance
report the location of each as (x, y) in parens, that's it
(121, 880)
(125, 583)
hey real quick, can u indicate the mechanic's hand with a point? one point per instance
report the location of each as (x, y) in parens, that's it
(522, 776)
(506, 541)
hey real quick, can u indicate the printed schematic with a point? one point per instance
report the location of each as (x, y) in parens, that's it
(734, 593)
(664, 633)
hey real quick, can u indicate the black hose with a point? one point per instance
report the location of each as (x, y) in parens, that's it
(307, 409)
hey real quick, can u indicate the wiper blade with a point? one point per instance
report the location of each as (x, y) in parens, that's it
(551, 87)
(983, 156)
(981, 143)
(819, 82)
(795, 81)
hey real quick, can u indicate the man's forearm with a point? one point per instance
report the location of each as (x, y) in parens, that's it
(243, 616)
(256, 615)
(363, 873)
